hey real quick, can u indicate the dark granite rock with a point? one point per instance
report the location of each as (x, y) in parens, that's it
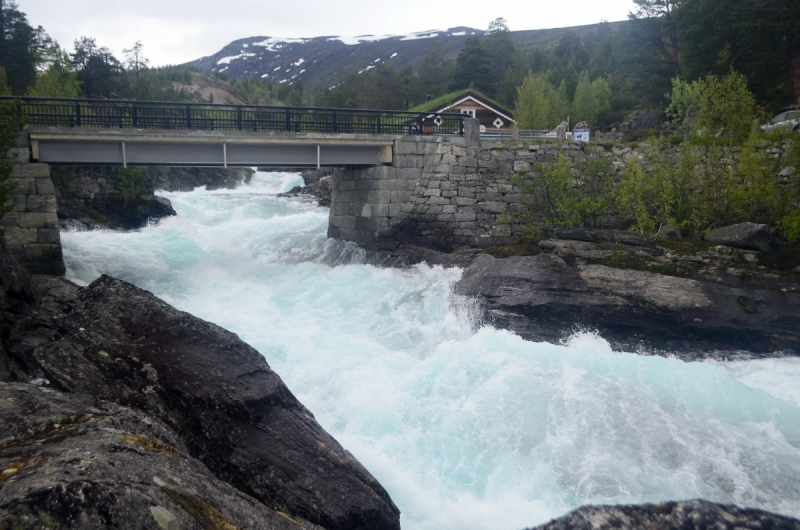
(118, 343)
(317, 184)
(70, 461)
(748, 236)
(545, 298)
(89, 197)
(687, 515)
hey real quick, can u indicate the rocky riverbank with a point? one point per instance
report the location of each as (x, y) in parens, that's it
(102, 197)
(118, 410)
(693, 298)
(316, 185)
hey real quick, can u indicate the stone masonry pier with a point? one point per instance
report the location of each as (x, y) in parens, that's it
(31, 227)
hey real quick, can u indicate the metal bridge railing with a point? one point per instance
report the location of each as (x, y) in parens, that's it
(121, 114)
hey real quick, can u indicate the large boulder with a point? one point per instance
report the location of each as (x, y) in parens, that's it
(72, 462)
(750, 236)
(544, 298)
(121, 344)
(686, 515)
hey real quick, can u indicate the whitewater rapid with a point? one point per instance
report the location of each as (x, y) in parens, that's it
(466, 426)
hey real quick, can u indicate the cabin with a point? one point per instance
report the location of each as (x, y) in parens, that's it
(494, 118)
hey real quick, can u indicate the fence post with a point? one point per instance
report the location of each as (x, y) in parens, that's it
(288, 120)
(239, 117)
(188, 117)
(135, 116)
(78, 113)
(379, 123)
(461, 125)
(335, 125)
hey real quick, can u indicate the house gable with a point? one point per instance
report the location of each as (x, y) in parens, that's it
(490, 114)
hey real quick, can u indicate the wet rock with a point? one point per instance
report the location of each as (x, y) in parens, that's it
(67, 461)
(750, 236)
(686, 515)
(317, 184)
(118, 343)
(544, 297)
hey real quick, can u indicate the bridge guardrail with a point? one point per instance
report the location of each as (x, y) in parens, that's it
(130, 114)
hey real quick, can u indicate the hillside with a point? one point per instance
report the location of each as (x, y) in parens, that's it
(326, 61)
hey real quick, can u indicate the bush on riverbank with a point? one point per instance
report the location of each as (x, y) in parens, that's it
(705, 186)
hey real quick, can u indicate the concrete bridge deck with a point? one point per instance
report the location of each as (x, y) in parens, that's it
(137, 147)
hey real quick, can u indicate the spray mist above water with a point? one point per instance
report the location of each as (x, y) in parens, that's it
(466, 426)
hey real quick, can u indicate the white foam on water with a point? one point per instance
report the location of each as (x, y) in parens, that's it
(467, 427)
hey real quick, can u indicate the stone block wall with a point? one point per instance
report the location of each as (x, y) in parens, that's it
(444, 193)
(31, 227)
(439, 192)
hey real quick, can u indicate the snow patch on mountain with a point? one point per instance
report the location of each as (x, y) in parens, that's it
(227, 60)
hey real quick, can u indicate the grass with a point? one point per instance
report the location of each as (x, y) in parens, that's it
(451, 96)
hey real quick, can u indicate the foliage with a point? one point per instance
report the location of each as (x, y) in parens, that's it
(474, 67)
(5, 90)
(58, 80)
(96, 67)
(592, 99)
(20, 47)
(553, 193)
(727, 104)
(684, 100)
(539, 105)
(759, 39)
(11, 124)
(501, 51)
(130, 182)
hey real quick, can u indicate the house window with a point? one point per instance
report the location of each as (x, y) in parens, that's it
(468, 112)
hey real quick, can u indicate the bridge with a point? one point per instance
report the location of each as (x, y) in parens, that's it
(146, 133)
(383, 154)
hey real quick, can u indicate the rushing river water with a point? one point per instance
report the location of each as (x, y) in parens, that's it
(467, 427)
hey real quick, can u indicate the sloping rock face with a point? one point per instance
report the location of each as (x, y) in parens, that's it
(117, 343)
(544, 298)
(72, 462)
(750, 236)
(688, 515)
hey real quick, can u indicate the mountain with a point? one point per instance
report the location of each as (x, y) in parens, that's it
(326, 61)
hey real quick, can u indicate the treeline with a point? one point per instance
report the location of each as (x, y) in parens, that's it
(662, 41)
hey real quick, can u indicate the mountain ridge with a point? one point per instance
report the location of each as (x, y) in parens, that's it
(326, 60)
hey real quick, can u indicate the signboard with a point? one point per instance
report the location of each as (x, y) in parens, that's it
(581, 135)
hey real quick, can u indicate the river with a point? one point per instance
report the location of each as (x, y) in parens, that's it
(466, 426)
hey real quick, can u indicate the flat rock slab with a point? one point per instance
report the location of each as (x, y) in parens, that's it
(233, 413)
(67, 461)
(687, 515)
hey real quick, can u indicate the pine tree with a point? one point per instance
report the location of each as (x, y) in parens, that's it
(474, 67)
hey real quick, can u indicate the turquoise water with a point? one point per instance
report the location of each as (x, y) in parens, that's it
(467, 427)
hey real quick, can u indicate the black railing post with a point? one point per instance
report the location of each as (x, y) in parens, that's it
(461, 125)
(78, 113)
(335, 125)
(379, 123)
(288, 120)
(188, 117)
(135, 116)
(419, 125)
(239, 117)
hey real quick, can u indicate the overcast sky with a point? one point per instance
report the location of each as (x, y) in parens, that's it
(177, 31)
